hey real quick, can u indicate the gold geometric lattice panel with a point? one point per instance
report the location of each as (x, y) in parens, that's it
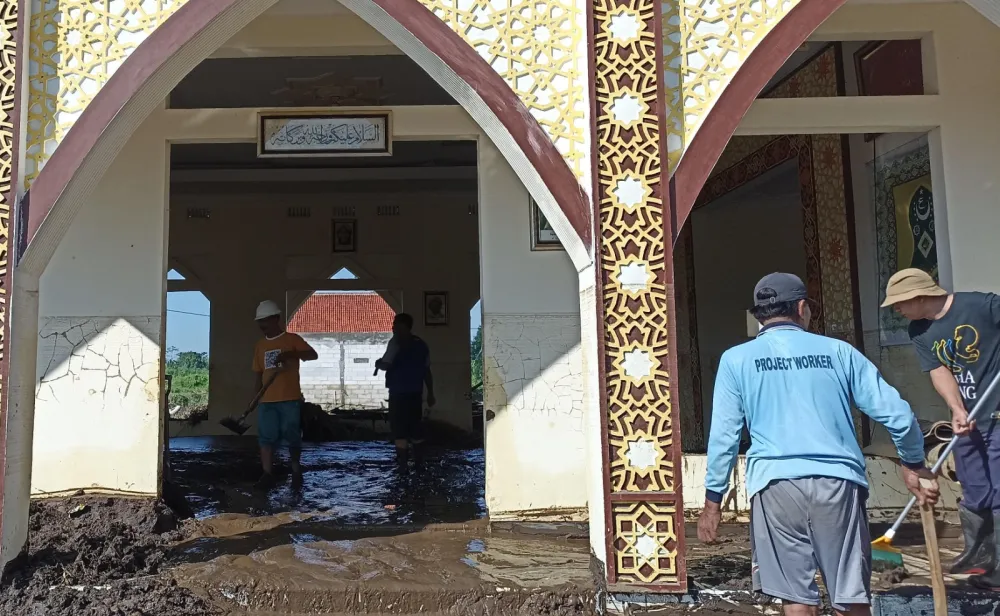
(645, 536)
(76, 46)
(707, 42)
(538, 47)
(632, 244)
(8, 72)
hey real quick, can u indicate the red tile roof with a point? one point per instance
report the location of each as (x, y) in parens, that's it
(343, 313)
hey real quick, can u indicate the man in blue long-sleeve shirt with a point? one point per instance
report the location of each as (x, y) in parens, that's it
(805, 471)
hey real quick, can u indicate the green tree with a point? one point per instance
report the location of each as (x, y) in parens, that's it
(188, 371)
(476, 349)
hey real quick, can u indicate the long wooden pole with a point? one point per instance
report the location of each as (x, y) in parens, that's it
(934, 559)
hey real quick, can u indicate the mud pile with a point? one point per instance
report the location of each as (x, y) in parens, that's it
(98, 557)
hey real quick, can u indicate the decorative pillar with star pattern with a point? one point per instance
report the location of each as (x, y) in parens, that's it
(641, 435)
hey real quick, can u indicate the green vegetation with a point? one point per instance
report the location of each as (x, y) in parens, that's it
(477, 364)
(189, 378)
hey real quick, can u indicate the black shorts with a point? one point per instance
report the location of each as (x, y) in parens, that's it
(405, 414)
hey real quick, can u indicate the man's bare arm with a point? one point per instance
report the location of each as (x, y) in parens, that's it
(947, 387)
(308, 353)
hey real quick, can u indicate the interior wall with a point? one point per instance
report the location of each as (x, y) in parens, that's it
(250, 250)
(97, 406)
(739, 238)
(536, 461)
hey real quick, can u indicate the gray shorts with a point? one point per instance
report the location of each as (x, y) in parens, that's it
(800, 525)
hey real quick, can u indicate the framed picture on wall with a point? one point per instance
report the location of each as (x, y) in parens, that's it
(436, 311)
(345, 235)
(543, 237)
(905, 233)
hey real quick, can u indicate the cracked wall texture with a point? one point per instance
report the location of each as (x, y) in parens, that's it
(97, 404)
(535, 443)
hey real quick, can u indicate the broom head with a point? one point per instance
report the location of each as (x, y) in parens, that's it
(885, 554)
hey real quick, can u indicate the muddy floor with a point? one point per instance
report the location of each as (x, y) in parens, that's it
(364, 534)
(100, 557)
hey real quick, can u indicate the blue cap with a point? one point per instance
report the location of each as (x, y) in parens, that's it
(778, 288)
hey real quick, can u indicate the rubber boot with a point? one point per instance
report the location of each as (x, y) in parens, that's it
(991, 579)
(977, 530)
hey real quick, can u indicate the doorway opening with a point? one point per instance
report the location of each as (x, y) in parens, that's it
(189, 315)
(343, 245)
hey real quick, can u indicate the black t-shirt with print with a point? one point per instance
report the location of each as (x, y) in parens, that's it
(967, 341)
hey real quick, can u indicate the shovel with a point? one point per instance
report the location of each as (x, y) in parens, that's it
(237, 424)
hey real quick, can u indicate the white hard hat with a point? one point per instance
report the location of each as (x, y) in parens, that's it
(267, 309)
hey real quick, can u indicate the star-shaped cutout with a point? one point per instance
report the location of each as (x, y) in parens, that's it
(541, 34)
(626, 109)
(634, 277)
(641, 454)
(647, 547)
(630, 192)
(637, 364)
(625, 26)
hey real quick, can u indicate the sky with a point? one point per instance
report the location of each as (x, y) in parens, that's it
(188, 316)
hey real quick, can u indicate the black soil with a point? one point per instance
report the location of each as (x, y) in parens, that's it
(723, 572)
(98, 557)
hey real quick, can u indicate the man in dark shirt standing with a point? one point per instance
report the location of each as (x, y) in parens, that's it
(957, 338)
(407, 363)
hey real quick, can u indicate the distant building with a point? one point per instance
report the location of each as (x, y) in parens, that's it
(349, 331)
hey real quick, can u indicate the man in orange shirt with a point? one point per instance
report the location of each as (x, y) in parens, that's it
(276, 362)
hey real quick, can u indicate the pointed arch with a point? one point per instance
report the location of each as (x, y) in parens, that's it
(763, 63)
(196, 29)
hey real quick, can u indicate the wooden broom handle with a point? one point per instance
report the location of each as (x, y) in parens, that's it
(934, 560)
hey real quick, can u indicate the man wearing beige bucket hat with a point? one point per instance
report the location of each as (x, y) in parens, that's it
(957, 338)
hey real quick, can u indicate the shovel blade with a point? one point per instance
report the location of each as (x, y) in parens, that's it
(234, 425)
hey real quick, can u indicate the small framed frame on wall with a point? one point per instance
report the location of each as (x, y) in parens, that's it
(543, 237)
(345, 236)
(436, 309)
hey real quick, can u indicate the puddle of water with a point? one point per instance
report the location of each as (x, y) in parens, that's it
(349, 482)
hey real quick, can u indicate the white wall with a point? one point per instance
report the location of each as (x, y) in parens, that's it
(343, 375)
(739, 238)
(536, 463)
(97, 409)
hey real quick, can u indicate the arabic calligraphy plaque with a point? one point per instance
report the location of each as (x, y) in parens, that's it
(291, 135)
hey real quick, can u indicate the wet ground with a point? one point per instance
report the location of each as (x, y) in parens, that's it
(347, 483)
(364, 534)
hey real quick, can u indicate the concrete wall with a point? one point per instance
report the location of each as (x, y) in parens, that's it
(97, 407)
(343, 376)
(536, 462)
